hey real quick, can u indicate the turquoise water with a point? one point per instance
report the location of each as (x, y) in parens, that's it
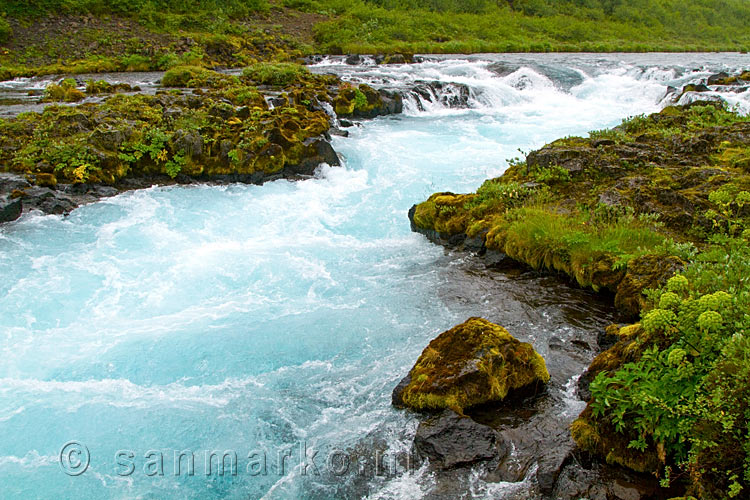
(257, 319)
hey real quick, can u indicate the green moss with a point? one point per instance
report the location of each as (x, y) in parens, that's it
(279, 74)
(131, 135)
(65, 91)
(473, 363)
(195, 76)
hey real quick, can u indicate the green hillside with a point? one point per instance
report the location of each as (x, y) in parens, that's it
(45, 36)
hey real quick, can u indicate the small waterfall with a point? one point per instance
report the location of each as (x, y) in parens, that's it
(491, 83)
(431, 96)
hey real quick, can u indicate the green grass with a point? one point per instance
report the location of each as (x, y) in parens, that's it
(275, 73)
(448, 26)
(532, 26)
(574, 243)
(156, 14)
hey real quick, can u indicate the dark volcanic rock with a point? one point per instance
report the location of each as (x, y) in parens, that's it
(452, 95)
(10, 210)
(324, 154)
(49, 201)
(449, 440)
(582, 478)
(190, 142)
(551, 464)
(717, 78)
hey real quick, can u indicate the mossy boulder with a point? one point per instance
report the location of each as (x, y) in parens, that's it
(474, 363)
(366, 102)
(64, 91)
(395, 58)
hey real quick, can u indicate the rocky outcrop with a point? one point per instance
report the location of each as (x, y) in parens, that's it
(641, 172)
(25, 196)
(474, 363)
(213, 133)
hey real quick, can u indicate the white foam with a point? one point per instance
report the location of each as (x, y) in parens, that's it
(32, 460)
(123, 393)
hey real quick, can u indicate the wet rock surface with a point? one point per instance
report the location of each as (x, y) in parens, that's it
(451, 95)
(449, 440)
(10, 209)
(542, 461)
(563, 323)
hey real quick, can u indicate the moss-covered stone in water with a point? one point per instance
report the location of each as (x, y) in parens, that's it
(365, 102)
(195, 76)
(474, 363)
(65, 91)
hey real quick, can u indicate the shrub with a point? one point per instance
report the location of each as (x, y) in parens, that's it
(195, 76)
(689, 392)
(5, 30)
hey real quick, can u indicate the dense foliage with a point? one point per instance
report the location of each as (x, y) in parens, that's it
(688, 396)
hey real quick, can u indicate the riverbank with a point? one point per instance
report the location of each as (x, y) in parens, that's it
(656, 211)
(272, 122)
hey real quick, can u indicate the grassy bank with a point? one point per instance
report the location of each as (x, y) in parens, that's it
(531, 26)
(658, 211)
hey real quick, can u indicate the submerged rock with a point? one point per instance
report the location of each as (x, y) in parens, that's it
(474, 363)
(450, 440)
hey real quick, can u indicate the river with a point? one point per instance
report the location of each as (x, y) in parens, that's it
(258, 321)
